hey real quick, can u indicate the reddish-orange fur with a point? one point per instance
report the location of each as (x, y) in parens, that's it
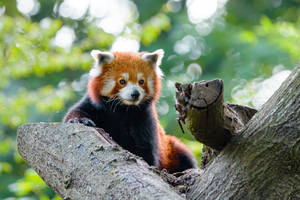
(170, 148)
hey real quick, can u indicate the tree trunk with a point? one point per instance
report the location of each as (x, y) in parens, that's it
(260, 161)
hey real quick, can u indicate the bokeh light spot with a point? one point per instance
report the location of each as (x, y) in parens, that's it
(199, 10)
(28, 7)
(64, 37)
(125, 44)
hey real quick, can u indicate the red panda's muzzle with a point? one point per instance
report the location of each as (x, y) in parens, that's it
(132, 94)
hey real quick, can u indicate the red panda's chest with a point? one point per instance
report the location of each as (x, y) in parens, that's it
(134, 131)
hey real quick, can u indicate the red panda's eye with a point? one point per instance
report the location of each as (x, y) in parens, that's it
(141, 82)
(122, 82)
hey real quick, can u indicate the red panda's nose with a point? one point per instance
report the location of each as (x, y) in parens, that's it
(135, 95)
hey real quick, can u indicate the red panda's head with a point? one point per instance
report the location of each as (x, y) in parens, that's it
(130, 77)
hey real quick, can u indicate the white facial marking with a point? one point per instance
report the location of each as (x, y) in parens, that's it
(108, 86)
(125, 94)
(99, 59)
(139, 76)
(150, 86)
(126, 76)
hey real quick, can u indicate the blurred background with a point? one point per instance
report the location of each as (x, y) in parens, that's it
(44, 59)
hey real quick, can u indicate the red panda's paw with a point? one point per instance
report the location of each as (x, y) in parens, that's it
(84, 121)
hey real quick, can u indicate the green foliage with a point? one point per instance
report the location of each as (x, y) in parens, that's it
(153, 28)
(40, 78)
(30, 182)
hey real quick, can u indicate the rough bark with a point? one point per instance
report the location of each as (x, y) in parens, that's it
(79, 163)
(211, 121)
(261, 161)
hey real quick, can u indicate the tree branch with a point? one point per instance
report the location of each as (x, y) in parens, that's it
(79, 163)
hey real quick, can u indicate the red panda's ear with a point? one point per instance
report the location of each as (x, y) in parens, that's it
(100, 58)
(155, 58)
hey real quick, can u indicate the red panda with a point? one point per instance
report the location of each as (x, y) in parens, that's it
(121, 96)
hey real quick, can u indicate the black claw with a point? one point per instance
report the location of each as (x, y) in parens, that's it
(84, 121)
(88, 122)
(75, 121)
(91, 123)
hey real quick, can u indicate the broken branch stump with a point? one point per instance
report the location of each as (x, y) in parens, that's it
(211, 121)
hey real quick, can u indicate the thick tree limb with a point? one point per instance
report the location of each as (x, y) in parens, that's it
(79, 163)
